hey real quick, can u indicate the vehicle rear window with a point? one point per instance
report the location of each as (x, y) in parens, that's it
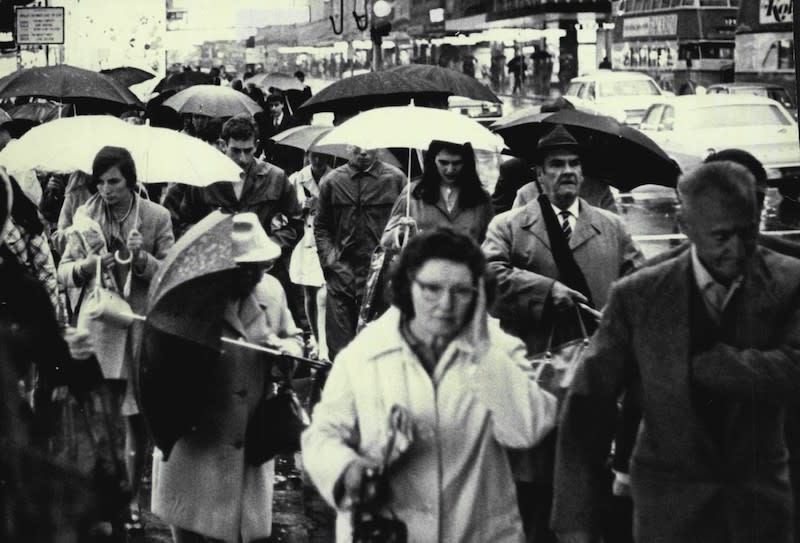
(628, 88)
(736, 115)
(573, 89)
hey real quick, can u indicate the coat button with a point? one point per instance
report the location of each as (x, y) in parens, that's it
(238, 444)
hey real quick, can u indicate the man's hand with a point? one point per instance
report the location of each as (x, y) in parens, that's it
(564, 297)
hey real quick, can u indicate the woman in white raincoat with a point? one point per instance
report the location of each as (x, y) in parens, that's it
(464, 386)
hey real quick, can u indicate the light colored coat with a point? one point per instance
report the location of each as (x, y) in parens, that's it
(455, 482)
(517, 249)
(206, 486)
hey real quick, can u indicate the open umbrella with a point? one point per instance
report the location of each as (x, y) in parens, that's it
(181, 80)
(409, 127)
(66, 84)
(212, 101)
(456, 83)
(41, 112)
(5, 117)
(303, 138)
(182, 337)
(277, 80)
(616, 153)
(370, 90)
(128, 75)
(161, 155)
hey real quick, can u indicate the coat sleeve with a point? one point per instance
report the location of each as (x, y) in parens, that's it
(522, 413)
(329, 444)
(291, 336)
(164, 240)
(772, 374)
(588, 422)
(290, 233)
(59, 237)
(324, 228)
(521, 294)
(631, 257)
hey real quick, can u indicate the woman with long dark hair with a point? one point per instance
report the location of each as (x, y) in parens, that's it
(449, 193)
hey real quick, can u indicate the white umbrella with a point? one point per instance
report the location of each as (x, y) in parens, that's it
(212, 101)
(161, 155)
(411, 127)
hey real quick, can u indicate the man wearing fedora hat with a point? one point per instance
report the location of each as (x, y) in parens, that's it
(206, 488)
(533, 296)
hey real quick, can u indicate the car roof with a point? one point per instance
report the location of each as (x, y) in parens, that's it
(706, 100)
(742, 84)
(608, 75)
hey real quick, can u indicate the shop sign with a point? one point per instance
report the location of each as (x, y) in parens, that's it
(40, 25)
(654, 25)
(775, 11)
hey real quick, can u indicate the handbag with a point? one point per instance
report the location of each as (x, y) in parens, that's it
(107, 305)
(555, 368)
(276, 426)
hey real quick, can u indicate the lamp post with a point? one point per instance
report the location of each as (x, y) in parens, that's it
(380, 26)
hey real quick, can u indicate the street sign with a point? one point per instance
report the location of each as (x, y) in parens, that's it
(39, 26)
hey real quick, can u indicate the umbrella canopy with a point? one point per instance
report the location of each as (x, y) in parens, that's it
(66, 84)
(41, 112)
(372, 89)
(409, 127)
(303, 138)
(616, 153)
(456, 83)
(212, 101)
(161, 155)
(277, 80)
(128, 75)
(182, 80)
(4, 117)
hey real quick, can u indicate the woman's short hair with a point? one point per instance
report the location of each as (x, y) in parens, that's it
(471, 191)
(440, 243)
(109, 157)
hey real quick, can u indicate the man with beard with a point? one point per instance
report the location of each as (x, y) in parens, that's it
(533, 297)
(355, 201)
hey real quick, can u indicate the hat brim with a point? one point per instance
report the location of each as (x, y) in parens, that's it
(259, 256)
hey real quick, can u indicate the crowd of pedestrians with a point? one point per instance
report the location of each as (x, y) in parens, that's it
(432, 423)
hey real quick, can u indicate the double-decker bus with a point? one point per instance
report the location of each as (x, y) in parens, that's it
(680, 43)
(765, 44)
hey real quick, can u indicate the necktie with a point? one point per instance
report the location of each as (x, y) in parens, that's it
(565, 227)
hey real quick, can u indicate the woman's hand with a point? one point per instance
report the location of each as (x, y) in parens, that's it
(135, 242)
(406, 228)
(88, 266)
(352, 480)
(79, 342)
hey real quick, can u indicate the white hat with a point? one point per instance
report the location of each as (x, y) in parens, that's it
(250, 242)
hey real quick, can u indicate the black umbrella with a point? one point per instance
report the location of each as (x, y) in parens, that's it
(456, 83)
(371, 90)
(67, 84)
(128, 75)
(616, 153)
(181, 80)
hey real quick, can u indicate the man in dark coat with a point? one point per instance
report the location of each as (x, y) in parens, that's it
(270, 122)
(355, 202)
(711, 342)
(265, 190)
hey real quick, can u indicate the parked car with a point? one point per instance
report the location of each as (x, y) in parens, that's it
(484, 112)
(622, 95)
(691, 127)
(770, 90)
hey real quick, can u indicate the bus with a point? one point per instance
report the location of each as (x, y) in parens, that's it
(765, 43)
(679, 43)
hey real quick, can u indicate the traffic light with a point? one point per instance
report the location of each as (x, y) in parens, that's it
(382, 15)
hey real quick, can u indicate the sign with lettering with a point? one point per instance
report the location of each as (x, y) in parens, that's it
(775, 11)
(654, 25)
(43, 26)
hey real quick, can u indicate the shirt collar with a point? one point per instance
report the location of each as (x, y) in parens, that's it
(573, 209)
(704, 279)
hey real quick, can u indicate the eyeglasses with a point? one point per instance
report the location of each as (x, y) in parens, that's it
(433, 292)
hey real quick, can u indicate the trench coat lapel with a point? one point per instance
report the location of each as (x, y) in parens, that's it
(586, 226)
(533, 222)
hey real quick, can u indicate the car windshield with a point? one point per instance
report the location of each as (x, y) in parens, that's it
(636, 87)
(735, 115)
